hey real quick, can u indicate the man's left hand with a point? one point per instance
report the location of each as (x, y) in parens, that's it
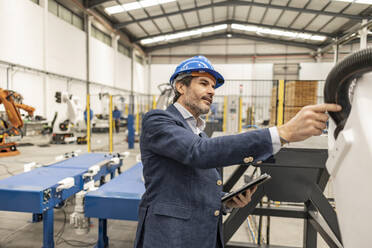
(242, 199)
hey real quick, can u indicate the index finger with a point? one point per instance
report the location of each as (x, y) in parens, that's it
(327, 107)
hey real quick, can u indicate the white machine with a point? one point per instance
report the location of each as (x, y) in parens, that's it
(71, 121)
(350, 153)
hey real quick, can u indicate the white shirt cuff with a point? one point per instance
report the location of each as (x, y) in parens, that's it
(275, 139)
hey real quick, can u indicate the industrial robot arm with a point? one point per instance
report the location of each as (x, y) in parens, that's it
(11, 132)
(12, 101)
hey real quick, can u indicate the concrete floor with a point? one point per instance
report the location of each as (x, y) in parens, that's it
(16, 230)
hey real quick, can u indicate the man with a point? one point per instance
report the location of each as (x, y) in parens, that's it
(116, 114)
(90, 115)
(182, 203)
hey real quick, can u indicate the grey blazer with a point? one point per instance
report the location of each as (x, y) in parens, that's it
(182, 203)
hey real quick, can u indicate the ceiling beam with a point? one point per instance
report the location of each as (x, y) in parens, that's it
(330, 35)
(302, 10)
(234, 35)
(241, 3)
(95, 3)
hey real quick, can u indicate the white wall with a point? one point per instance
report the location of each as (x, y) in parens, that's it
(315, 71)
(101, 62)
(139, 78)
(3, 77)
(66, 48)
(22, 42)
(122, 72)
(31, 88)
(21, 29)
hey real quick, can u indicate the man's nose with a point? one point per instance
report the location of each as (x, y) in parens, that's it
(211, 90)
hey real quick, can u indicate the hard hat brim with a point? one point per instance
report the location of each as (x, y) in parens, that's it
(219, 78)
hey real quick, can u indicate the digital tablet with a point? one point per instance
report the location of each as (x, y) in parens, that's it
(255, 182)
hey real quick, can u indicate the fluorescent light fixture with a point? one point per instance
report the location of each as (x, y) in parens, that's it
(356, 1)
(183, 34)
(114, 9)
(135, 5)
(278, 32)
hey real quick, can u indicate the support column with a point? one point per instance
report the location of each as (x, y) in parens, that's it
(363, 35)
(336, 51)
(44, 4)
(131, 131)
(114, 44)
(88, 29)
(149, 80)
(319, 55)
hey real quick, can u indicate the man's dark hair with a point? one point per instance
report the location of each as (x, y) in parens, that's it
(185, 81)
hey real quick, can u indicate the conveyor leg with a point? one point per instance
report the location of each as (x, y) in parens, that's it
(103, 241)
(48, 231)
(37, 218)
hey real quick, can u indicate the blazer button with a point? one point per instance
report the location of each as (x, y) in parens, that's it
(216, 213)
(219, 182)
(248, 160)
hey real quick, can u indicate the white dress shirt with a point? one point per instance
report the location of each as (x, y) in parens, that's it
(198, 125)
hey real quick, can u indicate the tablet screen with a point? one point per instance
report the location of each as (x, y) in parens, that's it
(255, 182)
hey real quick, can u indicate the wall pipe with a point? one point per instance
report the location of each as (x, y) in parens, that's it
(26, 68)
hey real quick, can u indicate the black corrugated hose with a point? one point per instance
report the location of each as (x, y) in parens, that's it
(336, 89)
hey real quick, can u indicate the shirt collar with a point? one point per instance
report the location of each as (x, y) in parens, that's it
(199, 123)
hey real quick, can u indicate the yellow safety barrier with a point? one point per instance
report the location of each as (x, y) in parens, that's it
(88, 123)
(153, 102)
(126, 110)
(280, 103)
(110, 125)
(224, 114)
(240, 114)
(137, 119)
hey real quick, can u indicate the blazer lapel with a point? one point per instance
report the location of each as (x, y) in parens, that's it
(172, 109)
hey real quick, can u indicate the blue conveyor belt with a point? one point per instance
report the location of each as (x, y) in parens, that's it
(119, 198)
(35, 191)
(84, 161)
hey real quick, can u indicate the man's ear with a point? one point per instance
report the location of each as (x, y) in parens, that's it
(180, 87)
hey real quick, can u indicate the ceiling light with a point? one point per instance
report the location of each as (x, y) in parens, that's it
(183, 34)
(356, 1)
(135, 5)
(132, 6)
(114, 9)
(278, 32)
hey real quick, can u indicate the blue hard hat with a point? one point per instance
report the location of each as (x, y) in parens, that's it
(197, 64)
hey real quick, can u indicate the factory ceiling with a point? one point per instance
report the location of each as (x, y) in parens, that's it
(156, 24)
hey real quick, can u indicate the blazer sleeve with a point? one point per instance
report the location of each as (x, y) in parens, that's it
(165, 136)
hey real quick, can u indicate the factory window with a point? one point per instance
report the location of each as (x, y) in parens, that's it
(53, 7)
(99, 35)
(65, 14)
(77, 21)
(123, 49)
(35, 1)
(139, 59)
